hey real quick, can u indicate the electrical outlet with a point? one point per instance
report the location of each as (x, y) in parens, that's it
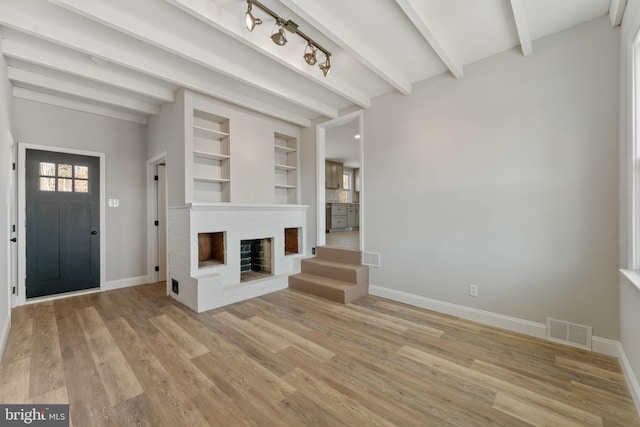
(175, 286)
(473, 290)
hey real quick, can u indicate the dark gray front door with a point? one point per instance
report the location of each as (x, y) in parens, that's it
(62, 222)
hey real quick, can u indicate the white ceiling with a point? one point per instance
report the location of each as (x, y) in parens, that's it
(123, 58)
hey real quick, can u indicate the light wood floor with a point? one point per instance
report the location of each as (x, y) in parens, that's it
(343, 239)
(135, 357)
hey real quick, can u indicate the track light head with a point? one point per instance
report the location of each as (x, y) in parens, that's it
(278, 36)
(310, 54)
(249, 20)
(326, 66)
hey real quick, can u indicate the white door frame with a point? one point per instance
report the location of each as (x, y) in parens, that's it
(320, 173)
(22, 230)
(152, 210)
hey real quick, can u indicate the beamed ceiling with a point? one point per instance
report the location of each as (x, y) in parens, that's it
(124, 58)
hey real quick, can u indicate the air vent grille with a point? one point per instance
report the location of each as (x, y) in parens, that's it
(569, 333)
(371, 259)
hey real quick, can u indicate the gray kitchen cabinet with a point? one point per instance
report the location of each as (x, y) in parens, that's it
(351, 215)
(333, 175)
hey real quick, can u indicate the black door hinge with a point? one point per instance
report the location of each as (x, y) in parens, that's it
(157, 268)
(14, 166)
(155, 177)
(156, 223)
(13, 290)
(13, 228)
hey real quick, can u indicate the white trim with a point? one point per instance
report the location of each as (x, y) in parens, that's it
(22, 244)
(152, 212)
(4, 336)
(632, 276)
(126, 283)
(513, 324)
(632, 381)
(320, 173)
(62, 296)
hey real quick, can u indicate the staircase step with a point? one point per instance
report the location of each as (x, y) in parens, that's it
(352, 273)
(334, 253)
(331, 289)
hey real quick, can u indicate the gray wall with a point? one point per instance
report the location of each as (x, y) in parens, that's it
(125, 146)
(508, 179)
(5, 207)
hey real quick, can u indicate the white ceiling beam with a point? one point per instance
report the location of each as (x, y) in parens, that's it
(55, 84)
(522, 25)
(348, 40)
(38, 55)
(436, 44)
(46, 98)
(104, 13)
(233, 26)
(616, 11)
(146, 63)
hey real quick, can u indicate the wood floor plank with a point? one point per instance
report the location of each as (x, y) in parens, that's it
(134, 356)
(119, 380)
(47, 371)
(186, 342)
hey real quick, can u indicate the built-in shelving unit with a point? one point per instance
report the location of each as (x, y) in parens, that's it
(286, 169)
(211, 158)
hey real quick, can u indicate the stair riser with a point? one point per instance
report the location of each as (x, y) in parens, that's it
(346, 273)
(340, 255)
(318, 290)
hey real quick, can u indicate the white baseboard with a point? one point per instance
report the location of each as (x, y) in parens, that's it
(4, 335)
(125, 283)
(509, 323)
(632, 380)
(514, 324)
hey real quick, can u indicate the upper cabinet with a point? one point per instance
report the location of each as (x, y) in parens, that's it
(211, 158)
(286, 169)
(333, 175)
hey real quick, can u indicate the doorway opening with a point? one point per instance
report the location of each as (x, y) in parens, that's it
(340, 195)
(158, 215)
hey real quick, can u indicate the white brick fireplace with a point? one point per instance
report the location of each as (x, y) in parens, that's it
(205, 284)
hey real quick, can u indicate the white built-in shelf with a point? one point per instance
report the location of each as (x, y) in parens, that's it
(214, 156)
(284, 148)
(285, 167)
(285, 186)
(208, 133)
(206, 179)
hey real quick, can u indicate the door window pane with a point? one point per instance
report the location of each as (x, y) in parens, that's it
(47, 169)
(64, 170)
(82, 186)
(47, 184)
(81, 172)
(65, 184)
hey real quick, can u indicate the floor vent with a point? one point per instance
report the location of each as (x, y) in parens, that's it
(372, 259)
(569, 333)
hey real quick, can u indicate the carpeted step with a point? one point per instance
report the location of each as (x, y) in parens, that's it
(332, 253)
(331, 289)
(352, 273)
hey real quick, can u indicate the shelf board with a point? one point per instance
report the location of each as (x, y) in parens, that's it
(208, 133)
(214, 156)
(216, 180)
(285, 167)
(285, 186)
(284, 148)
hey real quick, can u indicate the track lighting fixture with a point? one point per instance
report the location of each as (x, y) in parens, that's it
(326, 66)
(310, 55)
(279, 36)
(249, 20)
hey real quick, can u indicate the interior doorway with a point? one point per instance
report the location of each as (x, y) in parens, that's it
(161, 189)
(157, 197)
(340, 190)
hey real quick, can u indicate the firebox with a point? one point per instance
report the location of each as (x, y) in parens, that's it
(256, 260)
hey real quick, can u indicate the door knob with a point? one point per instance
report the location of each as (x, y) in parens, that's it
(14, 240)
(94, 232)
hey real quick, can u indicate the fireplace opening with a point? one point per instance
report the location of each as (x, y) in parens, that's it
(210, 249)
(255, 259)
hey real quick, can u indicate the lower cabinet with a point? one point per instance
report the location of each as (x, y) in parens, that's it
(342, 216)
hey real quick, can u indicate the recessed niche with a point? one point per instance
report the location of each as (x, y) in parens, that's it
(256, 260)
(292, 241)
(210, 249)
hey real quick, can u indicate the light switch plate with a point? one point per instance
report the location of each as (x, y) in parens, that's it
(114, 203)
